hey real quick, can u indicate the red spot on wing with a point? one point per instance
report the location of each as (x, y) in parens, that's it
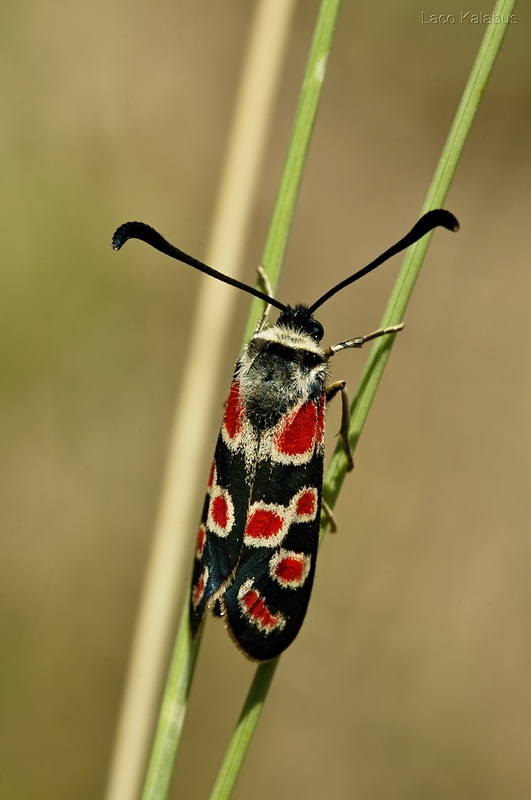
(297, 436)
(263, 524)
(290, 569)
(201, 537)
(220, 511)
(212, 475)
(321, 421)
(199, 589)
(234, 412)
(256, 610)
(220, 517)
(306, 504)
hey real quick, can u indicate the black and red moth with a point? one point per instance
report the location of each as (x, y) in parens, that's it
(257, 545)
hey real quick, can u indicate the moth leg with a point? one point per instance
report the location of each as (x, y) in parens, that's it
(331, 391)
(359, 341)
(329, 514)
(266, 286)
(339, 386)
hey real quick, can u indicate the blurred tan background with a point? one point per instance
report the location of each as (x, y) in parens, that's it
(411, 676)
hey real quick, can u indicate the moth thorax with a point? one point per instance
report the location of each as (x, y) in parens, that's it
(279, 368)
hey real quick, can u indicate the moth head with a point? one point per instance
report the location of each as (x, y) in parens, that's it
(301, 319)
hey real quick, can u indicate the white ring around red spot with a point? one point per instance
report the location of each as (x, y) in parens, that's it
(289, 569)
(233, 425)
(201, 538)
(199, 589)
(296, 435)
(267, 525)
(253, 607)
(220, 518)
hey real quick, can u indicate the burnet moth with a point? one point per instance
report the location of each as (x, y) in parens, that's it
(257, 545)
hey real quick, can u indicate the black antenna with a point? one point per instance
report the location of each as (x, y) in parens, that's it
(431, 220)
(147, 234)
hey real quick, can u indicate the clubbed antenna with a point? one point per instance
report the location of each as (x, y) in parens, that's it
(147, 234)
(433, 219)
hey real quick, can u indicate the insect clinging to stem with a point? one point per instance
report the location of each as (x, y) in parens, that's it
(257, 544)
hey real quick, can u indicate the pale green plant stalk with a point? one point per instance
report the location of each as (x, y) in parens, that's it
(185, 652)
(376, 362)
(175, 698)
